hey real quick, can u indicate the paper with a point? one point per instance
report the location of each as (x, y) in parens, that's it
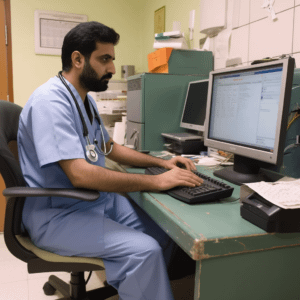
(176, 43)
(285, 194)
(222, 45)
(208, 161)
(272, 12)
(119, 133)
(172, 34)
(206, 44)
(268, 4)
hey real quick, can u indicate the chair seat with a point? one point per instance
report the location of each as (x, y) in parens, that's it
(26, 242)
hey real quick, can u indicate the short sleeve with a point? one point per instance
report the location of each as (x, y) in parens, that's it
(54, 131)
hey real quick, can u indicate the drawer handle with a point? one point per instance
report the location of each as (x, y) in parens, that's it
(134, 133)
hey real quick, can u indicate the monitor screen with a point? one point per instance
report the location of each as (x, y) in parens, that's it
(247, 115)
(193, 115)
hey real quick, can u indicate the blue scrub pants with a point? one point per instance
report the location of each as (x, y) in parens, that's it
(136, 253)
(134, 249)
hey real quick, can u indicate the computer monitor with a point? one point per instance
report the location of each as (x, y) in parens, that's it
(247, 112)
(193, 115)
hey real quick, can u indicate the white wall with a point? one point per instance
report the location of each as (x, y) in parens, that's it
(257, 36)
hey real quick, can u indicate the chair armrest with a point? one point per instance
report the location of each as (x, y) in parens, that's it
(81, 194)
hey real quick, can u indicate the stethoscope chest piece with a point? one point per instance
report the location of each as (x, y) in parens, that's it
(91, 152)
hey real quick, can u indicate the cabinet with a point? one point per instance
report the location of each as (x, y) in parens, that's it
(154, 105)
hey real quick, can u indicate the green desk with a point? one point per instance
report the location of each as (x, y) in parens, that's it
(235, 260)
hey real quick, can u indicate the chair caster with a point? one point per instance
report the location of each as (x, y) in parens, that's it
(49, 290)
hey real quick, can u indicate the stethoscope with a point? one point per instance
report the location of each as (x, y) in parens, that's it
(91, 149)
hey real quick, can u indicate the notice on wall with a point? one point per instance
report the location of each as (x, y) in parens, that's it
(51, 28)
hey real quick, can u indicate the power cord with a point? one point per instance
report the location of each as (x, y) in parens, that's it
(86, 282)
(297, 144)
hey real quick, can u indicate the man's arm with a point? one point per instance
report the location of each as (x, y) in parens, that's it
(126, 156)
(85, 175)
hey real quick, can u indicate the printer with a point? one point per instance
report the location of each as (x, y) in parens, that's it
(269, 216)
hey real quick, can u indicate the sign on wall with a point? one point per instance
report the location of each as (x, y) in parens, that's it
(50, 29)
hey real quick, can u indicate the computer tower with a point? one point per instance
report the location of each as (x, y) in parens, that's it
(154, 105)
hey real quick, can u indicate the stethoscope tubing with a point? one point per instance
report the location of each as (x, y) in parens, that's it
(85, 129)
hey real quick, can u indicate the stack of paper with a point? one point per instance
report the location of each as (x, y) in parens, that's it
(168, 35)
(285, 194)
(173, 39)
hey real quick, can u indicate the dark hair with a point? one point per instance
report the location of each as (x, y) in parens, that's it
(83, 38)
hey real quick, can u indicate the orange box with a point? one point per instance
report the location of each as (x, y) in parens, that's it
(158, 60)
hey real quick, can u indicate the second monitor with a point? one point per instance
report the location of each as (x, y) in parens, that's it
(193, 115)
(193, 118)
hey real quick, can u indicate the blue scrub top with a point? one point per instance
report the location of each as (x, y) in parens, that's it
(50, 130)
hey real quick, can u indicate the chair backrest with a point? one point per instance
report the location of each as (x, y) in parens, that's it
(12, 175)
(9, 165)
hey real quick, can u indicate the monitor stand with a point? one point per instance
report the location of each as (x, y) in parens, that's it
(244, 170)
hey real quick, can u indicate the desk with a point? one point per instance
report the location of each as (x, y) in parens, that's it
(235, 260)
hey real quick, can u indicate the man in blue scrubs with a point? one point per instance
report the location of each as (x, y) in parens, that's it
(53, 154)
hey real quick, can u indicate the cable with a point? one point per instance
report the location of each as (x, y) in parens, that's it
(92, 155)
(86, 282)
(297, 144)
(230, 201)
(296, 116)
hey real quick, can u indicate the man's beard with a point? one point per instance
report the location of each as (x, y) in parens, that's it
(90, 81)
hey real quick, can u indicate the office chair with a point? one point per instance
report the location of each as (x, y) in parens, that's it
(18, 242)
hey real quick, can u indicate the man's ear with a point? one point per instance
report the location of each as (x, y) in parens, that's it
(77, 60)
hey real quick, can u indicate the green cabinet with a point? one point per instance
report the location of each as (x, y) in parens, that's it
(154, 105)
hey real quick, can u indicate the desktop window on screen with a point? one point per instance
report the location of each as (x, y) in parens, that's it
(244, 107)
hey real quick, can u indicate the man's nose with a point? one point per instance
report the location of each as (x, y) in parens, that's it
(111, 68)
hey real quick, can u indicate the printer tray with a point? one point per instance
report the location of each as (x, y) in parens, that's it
(269, 216)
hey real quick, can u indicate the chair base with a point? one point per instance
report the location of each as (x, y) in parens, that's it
(76, 289)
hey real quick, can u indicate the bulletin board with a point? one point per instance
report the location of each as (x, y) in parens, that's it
(50, 29)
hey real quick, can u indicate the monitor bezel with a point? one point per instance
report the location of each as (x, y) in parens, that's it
(189, 125)
(276, 156)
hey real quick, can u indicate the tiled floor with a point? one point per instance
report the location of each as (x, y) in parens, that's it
(17, 284)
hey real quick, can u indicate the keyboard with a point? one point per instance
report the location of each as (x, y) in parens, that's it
(210, 190)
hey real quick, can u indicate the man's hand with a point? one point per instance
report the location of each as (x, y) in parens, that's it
(179, 161)
(177, 177)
